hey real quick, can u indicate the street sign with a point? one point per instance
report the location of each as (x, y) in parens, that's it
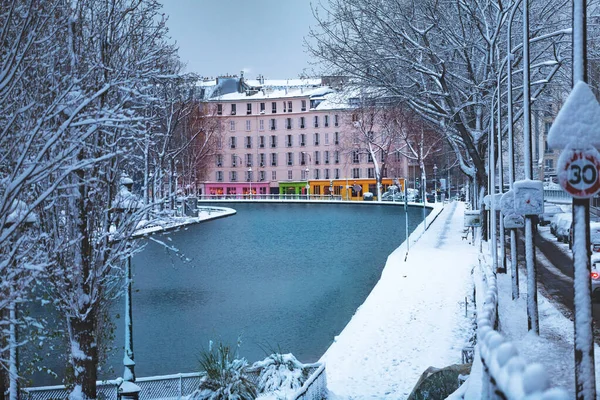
(508, 202)
(514, 221)
(529, 197)
(473, 218)
(578, 172)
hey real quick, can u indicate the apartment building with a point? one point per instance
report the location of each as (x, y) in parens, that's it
(280, 136)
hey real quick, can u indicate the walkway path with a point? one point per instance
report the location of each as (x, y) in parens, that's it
(413, 319)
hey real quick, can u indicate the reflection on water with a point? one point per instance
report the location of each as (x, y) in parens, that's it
(286, 276)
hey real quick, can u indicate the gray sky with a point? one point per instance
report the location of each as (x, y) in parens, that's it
(227, 36)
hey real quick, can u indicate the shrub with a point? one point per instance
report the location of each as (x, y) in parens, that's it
(280, 373)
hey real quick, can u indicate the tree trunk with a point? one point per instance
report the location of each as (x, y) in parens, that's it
(84, 356)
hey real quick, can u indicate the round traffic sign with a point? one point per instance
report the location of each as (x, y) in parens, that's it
(579, 172)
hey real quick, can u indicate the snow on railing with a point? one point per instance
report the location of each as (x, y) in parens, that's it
(315, 387)
(557, 195)
(506, 375)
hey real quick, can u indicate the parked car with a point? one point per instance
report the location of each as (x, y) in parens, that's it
(595, 276)
(392, 194)
(594, 237)
(549, 211)
(556, 219)
(563, 228)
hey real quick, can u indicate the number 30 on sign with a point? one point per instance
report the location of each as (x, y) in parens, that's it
(578, 172)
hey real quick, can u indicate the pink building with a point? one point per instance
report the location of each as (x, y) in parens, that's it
(279, 132)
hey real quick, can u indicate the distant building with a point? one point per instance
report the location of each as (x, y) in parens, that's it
(280, 135)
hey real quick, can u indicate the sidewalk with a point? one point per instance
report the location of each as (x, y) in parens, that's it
(413, 319)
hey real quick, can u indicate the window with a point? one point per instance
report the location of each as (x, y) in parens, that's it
(272, 124)
(547, 149)
(356, 173)
(248, 160)
(289, 106)
(288, 141)
(262, 157)
(326, 157)
(273, 141)
(326, 137)
(284, 107)
(248, 142)
(261, 176)
(355, 157)
(382, 158)
(290, 158)
(273, 107)
(303, 158)
(336, 120)
(248, 176)
(370, 173)
(398, 156)
(261, 142)
(290, 175)
(355, 138)
(317, 174)
(219, 160)
(248, 108)
(369, 157)
(233, 109)
(273, 175)
(304, 175)
(336, 138)
(232, 126)
(233, 176)
(261, 125)
(327, 173)
(248, 125)
(219, 176)
(317, 158)
(273, 159)
(336, 157)
(549, 164)
(302, 139)
(316, 137)
(336, 174)
(326, 121)
(303, 105)
(301, 122)
(316, 121)
(288, 123)
(262, 108)
(219, 143)
(234, 159)
(232, 142)
(219, 109)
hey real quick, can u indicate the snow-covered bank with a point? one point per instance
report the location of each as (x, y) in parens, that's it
(168, 224)
(413, 319)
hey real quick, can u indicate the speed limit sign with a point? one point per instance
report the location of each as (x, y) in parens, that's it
(579, 172)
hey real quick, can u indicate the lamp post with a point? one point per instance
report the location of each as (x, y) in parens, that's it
(307, 171)
(250, 180)
(435, 183)
(126, 202)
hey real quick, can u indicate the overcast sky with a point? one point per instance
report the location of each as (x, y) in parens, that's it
(226, 36)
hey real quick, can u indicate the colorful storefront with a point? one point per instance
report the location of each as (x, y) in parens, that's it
(351, 189)
(292, 188)
(235, 190)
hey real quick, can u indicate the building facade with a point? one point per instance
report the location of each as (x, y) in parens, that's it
(286, 138)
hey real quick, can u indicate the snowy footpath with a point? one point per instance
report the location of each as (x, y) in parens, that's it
(413, 319)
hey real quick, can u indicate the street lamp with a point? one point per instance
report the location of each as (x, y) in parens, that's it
(435, 183)
(250, 179)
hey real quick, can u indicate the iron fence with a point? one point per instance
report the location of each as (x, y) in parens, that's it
(177, 386)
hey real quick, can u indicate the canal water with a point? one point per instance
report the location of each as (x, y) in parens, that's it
(285, 277)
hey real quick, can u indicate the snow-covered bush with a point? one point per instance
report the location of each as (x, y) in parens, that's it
(280, 373)
(223, 378)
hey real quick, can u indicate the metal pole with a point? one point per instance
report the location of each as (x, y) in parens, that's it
(502, 268)
(128, 358)
(511, 157)
(13, 369)
(406, 219)
(585, 383)
(532, 306)
(492, 191)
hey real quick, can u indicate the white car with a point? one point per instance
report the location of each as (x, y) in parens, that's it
(595, 276)
(556, 219)
(549, 211)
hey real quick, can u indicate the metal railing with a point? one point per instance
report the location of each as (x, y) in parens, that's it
(504, 370)
(177, 386)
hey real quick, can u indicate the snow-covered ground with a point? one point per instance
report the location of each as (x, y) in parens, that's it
(415, 318)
